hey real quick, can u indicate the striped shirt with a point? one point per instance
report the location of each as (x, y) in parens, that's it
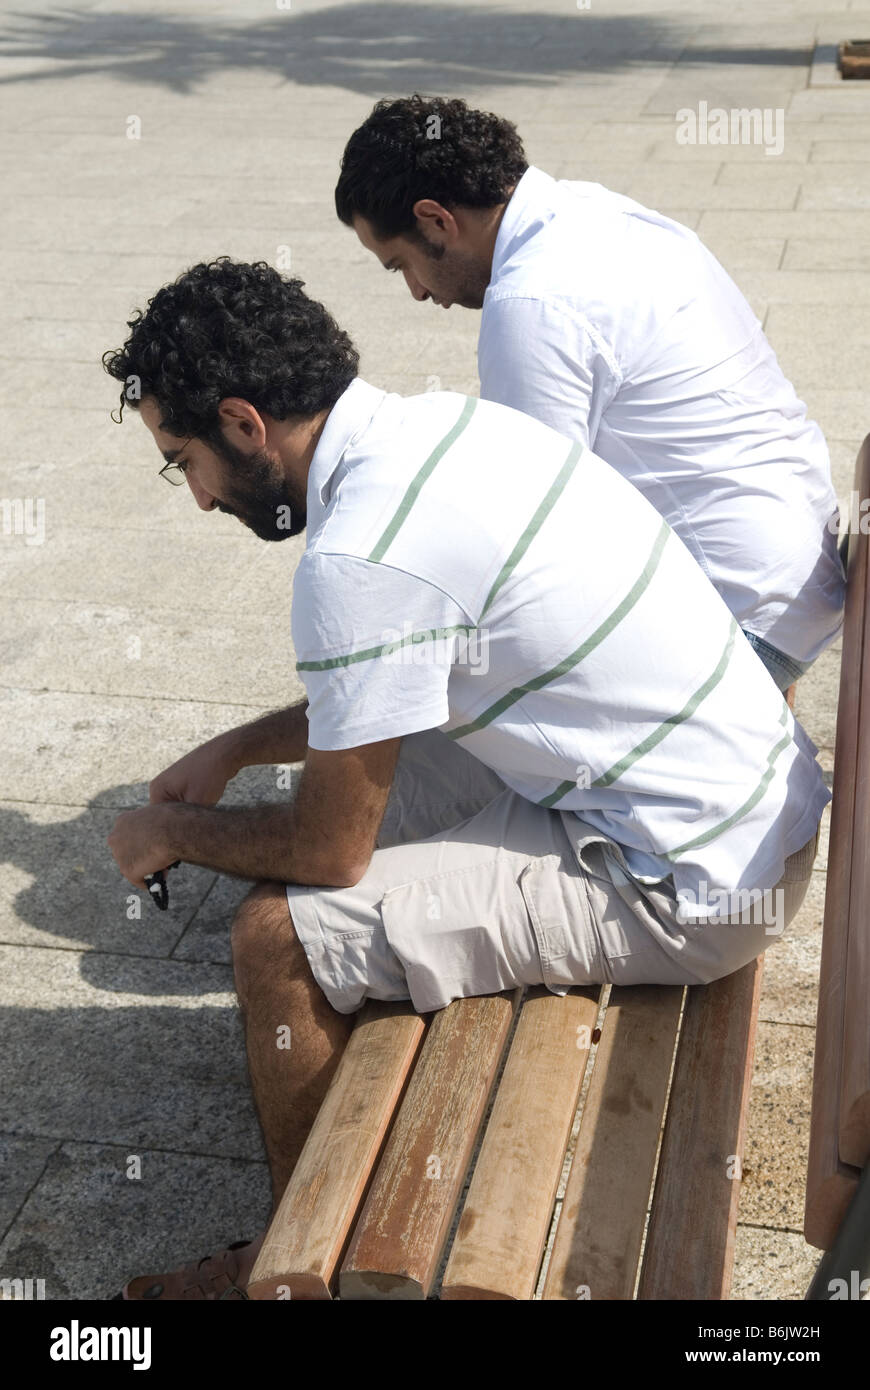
(470, 569)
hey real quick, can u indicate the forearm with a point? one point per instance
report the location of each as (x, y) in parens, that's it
(279, 737)
(326, 836)
(260, 842)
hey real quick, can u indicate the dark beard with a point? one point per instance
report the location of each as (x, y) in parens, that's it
(260, 496)
(466, 286)
(465, 279)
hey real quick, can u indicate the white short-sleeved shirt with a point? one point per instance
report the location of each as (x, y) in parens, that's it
(472, 570)
(616, 326)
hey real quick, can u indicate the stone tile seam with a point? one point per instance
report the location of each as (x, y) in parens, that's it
(62, 1140)
(121, 695)
(89, 951)
(28, 1194)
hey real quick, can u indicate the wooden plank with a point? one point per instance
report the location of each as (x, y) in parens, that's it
(689, 1250)
(307, 1237)
(397, 1243)
(831, 1182)
(600, 1228)
(854, 1127)
(501, 1237)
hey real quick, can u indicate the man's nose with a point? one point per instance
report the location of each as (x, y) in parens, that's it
(204, 499)
(417, 290)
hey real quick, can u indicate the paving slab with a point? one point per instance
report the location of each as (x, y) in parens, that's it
(51, 340)
(123, 743)
(801, 333)
(772, 1264)
(22, 1162)
(207, 938)
(87, 1226)
(838, 152)
(669, 184)
(108, 565)
(827, 288)
(777, 1140)
(817, 695)
(121, 1049)
(791, 963)
(107, 649)
(827, 253)
(741, 256)
(831, 224)
(841, 413)
(61, 887)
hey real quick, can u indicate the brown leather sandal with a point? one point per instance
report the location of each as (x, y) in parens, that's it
(213, 1277)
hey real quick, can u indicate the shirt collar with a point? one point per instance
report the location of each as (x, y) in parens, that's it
(528, 210)
(349, 417)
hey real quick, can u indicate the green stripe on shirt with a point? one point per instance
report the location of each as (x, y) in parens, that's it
(569, 662)
(535, 524)
(410, 497)
(432, 634)
(748, 803)
(612, 774)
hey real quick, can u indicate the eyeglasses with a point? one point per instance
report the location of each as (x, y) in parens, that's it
(174, 472)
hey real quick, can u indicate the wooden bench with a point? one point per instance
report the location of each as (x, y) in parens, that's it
(380, 1197)
(650, 1205)
(840, 1121)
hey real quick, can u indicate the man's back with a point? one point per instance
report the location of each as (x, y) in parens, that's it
(616, 326)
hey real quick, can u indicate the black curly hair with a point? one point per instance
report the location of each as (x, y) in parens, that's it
(228, 328)
(426, 147)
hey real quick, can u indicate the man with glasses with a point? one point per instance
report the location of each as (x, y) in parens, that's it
(610, 789)
(616, 326)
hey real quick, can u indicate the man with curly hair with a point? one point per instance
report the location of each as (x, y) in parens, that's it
(616, 326)
(529, 755)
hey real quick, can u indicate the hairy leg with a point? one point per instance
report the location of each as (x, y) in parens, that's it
(277, 992)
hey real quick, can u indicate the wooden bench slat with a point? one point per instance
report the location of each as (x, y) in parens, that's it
(830, 1182)
(503, 1230)
(600, 1228)
(310, 1230)
(854, 1129)
(689, 1251)
(397, 1243)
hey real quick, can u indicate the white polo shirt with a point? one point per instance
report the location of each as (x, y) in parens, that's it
(469, 569)
(616, 326)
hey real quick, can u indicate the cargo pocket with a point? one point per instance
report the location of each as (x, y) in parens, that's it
(561, 923)
(462, 933)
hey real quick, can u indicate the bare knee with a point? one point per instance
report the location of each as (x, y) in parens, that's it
(263, 937)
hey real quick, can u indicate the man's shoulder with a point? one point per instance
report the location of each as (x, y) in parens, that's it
(571, 232)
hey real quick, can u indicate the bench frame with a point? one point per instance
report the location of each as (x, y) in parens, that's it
(836, 1217)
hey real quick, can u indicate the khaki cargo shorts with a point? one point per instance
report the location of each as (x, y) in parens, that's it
(474, 889)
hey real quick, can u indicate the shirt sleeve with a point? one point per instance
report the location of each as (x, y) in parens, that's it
(374, 648)
(546, 361)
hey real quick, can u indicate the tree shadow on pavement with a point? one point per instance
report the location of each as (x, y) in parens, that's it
(365, 48)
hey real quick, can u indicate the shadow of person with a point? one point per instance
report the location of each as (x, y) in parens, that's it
(62, 888)
(136, 1126)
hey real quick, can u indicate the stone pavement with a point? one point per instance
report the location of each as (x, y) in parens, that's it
(138, 140)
